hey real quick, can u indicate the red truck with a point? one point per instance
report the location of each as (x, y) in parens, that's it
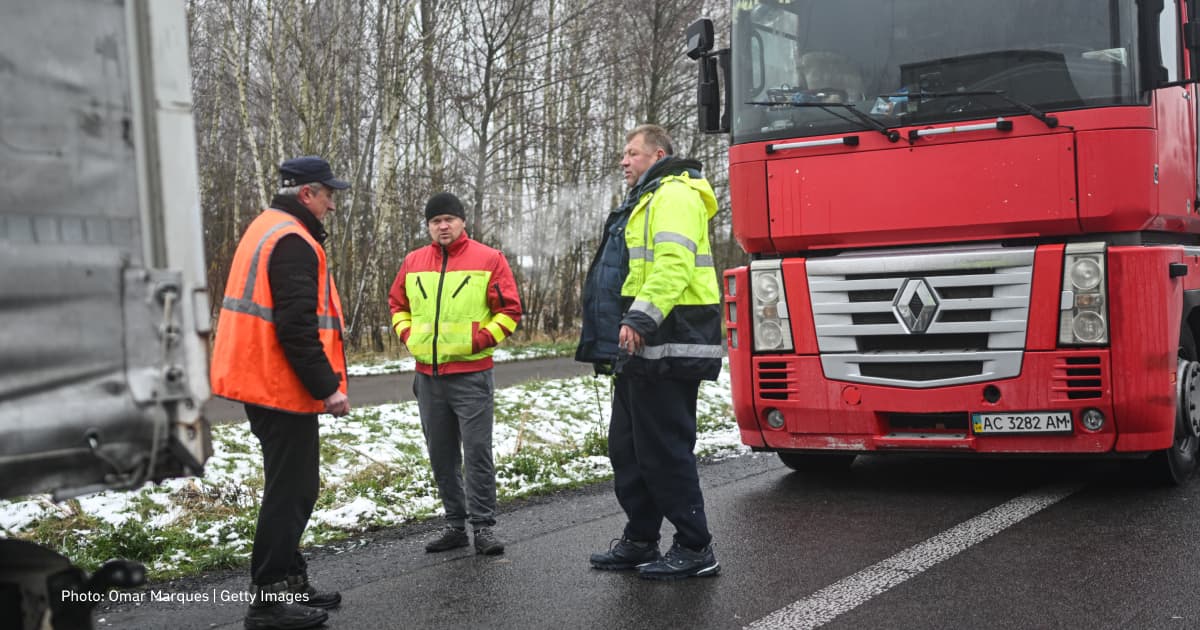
(973, 226)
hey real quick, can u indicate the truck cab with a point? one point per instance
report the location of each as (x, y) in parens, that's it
(972, 225)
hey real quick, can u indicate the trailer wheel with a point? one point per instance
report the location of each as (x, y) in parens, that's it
(817, 462)
(1175, 465)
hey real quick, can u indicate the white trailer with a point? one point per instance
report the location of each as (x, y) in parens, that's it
(104, 313)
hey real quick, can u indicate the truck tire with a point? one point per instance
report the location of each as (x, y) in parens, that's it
(1174, 466)
(817, 462)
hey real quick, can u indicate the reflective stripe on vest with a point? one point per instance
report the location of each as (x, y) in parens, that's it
(682, 350)
(642, 253)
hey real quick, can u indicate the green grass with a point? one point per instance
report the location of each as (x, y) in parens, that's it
(535, 471)
(595, 442)
(244, 448)
(375, 478)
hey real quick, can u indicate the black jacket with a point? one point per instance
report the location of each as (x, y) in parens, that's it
(292, 271)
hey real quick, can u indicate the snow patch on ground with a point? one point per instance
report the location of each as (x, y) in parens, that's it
(374, 470)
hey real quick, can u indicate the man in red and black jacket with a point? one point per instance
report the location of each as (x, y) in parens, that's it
(452, 302)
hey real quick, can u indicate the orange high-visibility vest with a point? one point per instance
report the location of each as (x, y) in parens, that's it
(248, 364)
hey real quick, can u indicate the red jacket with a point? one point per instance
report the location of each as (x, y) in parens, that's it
(452, 305)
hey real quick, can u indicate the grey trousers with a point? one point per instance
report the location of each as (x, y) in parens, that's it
(456, 417)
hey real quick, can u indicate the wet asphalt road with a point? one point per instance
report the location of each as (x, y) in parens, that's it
(1112, 553)
(390, 388)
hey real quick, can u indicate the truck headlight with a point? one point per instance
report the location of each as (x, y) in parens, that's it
(772, 328)
(1083, 317)
(1086, 274)
(766, 288)
(768, 334)
(1088, 327)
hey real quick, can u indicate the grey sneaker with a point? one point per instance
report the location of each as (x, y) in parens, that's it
(486, 542)
(450, 538)
(625, 554)
(680, 562)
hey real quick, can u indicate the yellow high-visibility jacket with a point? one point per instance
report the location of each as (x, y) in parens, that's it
(672, 289)
(452, 305)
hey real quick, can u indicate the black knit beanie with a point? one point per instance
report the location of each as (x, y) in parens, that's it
(444, 203)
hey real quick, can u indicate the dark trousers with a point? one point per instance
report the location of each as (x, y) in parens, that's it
(291, 458)
(651, 440)
(457, 414)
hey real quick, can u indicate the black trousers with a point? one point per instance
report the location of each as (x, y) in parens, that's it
(651, 440)
(291, 458)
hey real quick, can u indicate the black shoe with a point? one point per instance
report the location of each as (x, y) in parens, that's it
(626, 554)
(486, 542)
(680, 562)
(273, 608)
(450, 538)
(298, 585)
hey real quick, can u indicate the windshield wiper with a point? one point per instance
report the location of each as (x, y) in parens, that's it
(1048, 120)
(891, 134)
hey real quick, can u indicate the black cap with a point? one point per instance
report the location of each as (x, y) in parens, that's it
(306, 170)
(444, 203)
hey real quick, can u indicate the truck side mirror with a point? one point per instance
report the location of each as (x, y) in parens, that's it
(699, 38)
(1191, 42)
(708, 97)
(1153, 74)
(1151, 49)
(699, 45)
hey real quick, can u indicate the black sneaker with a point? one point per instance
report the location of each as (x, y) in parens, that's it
(486, 542)
(273, 608)
(299, 585)
(680, 562)
(626, 554)
(450, 538)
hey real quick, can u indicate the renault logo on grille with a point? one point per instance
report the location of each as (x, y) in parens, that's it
(915, 305)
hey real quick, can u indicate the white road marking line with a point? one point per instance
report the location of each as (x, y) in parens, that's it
(826, 604)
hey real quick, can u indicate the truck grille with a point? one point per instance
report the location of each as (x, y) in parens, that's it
(922, 318)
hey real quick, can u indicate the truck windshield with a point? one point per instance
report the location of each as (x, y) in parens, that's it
(1051, 54)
